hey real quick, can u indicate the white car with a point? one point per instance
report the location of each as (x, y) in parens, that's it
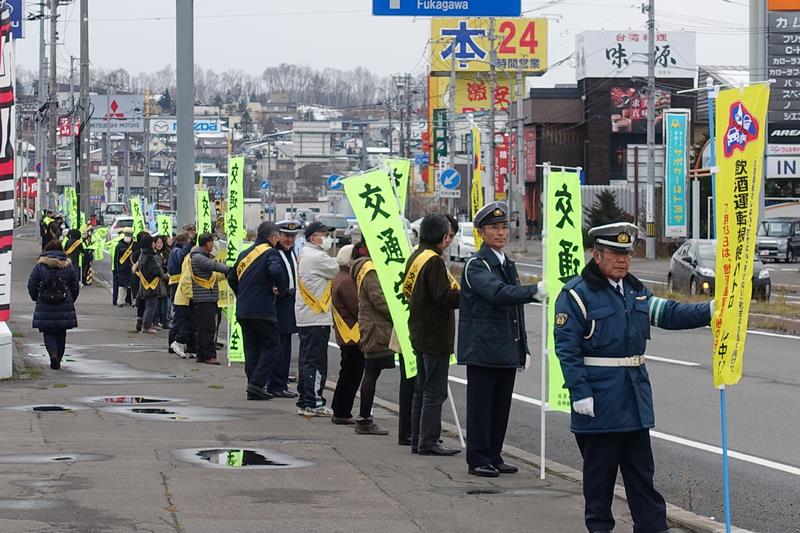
(463, 245)
(119, 223)
(114, 210)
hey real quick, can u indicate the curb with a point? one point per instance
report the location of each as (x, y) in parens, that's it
(676, 516)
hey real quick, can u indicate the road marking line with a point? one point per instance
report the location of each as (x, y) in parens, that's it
(671, 361)
(789, 469)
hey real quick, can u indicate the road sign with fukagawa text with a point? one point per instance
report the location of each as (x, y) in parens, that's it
(447, 8)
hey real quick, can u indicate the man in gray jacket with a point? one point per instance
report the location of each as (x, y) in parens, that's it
(205, 295)
(315, 273)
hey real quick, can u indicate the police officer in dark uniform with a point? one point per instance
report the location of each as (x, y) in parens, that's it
(602, 324)
(491, 340)
(278, 383)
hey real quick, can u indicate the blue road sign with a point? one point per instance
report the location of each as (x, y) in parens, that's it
(264, 185)
(422, 160)
(450, 179)
(335, 182)
(447, 8)
(17, 18)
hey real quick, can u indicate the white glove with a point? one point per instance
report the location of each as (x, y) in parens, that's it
(541, 291)
(527, 364)
(584, 407)
(711, 308)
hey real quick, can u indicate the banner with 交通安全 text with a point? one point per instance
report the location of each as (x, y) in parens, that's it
(234, 227)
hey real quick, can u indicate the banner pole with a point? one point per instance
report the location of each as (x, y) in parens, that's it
(543, 411)
(713, 92)
(455, 416)
(725, 478)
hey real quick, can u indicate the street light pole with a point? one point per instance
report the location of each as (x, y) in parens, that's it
(651, 132)
(185, 109)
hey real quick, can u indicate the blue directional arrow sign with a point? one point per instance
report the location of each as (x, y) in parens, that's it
(450, 179)
(447, 8)
(264, 185)
(335, 182)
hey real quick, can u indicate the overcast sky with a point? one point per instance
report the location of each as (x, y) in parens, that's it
(253, 34)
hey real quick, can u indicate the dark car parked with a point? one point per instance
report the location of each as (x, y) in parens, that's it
(692, 270)
(778, 239)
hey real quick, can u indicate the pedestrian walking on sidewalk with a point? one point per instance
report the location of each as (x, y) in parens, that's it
(315, 273)
(602, 324)
(375, 327)
(54, 286)
(433, 296)
(205, 295)
(345, 323)
(278, 382)
(492, 341)
(255, 277)
(122, 258)
(151, 282)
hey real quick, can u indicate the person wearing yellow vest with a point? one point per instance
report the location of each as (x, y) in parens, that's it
(205, 295)
(432, 295)
(345, 323)
(256, 278)
(150, 273)
(73, 247)
(181, 336)
(312, 308)
(122, 259)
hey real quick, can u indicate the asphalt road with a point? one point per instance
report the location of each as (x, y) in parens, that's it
(763, 424)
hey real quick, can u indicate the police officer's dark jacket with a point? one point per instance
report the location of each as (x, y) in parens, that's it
(254, 296)
(593, 320)
(284, 303)
(491, 321)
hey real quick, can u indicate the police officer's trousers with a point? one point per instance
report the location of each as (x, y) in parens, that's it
(602, 454)
(261, 348)
(489, 393)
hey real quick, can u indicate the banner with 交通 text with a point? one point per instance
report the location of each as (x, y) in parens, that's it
(235, 230)
(476, 195)
(739, 148)
(137, 215)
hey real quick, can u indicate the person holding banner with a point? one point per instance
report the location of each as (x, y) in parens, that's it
(180, 342)
(278, 382)
(602, 323)
(433, 296)
(149, 271)
(122, 259)
(73, 247)
(492, 340)
(253, 279)
(315, 272)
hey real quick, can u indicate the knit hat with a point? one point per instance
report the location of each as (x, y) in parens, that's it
(344, 257)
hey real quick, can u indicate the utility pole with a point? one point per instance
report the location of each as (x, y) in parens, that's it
(399, 82)
(84, 138)
(146, 146)
(73, 162)
(41, 145)
(408, 117)
(651, 132)
(522, 224)
(52, 107)
(492, 87)
(185, 109)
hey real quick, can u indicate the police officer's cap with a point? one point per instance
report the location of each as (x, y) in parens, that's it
(618, 236)
(491, 213)
(291, 227)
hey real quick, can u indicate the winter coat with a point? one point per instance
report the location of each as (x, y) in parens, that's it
(77, 252)
(255, 298)
(55, 317)
(123, 270)
(432, 320)
(149, 266)
(605, 324)
(491, 320)
(315, 271)
(175, 262)
(374, 319)
(204, 267)
(285, 300)
(345, 301)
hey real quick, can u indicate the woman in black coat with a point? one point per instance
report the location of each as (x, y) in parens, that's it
(149, 272)
(54, 287)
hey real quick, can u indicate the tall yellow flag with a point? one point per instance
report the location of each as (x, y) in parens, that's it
(476, 196)
(741, 129)
(234, 227)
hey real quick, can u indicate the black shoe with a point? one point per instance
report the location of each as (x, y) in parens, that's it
(254, 392)
(607, 531)
(440, 450)
(505, 468)
(414, 451)
(484, 471)
(55, 362)
(404, 442)
(283, 394)
(343, 420)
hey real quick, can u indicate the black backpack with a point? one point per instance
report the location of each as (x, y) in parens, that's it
(53, 289)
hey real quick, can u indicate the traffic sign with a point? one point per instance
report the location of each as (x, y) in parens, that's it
(335, 194)
(447, 8)
(335, 182)
(444, 193)
(450, 179)
(264, 185)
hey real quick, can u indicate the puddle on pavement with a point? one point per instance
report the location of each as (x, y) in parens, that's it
(153, 411)
(240, 458)
(128, 400)
(47, 408)
(503, 491)
(32, 504)
(44, 458)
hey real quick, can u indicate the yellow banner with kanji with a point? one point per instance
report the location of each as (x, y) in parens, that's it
(372, 197)
(137, 215)
(476, 195)
(235, 230)
(400, 172)
(203, 213)
(741, 129)
(563, 260)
